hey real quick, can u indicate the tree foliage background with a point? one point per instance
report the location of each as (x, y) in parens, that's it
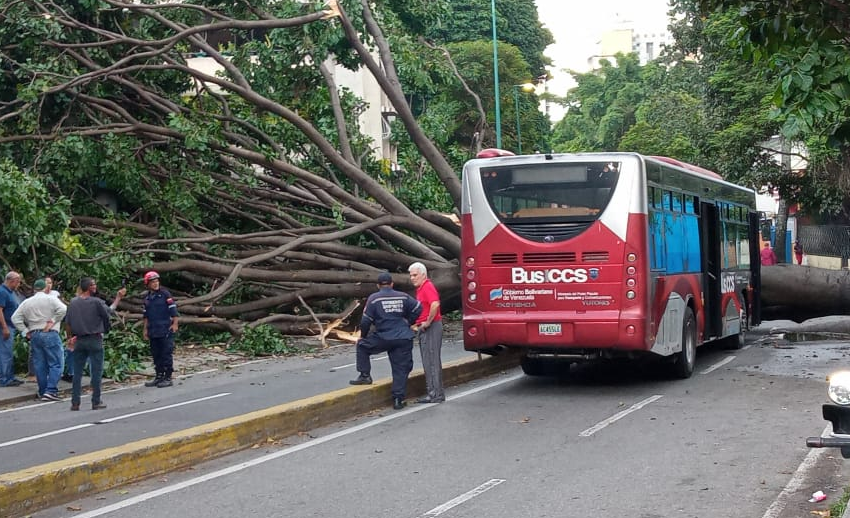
(246, 183)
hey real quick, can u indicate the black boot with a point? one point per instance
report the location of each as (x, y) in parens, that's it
(155, 382)
(363, 379)
(165, 381)
(398, 403)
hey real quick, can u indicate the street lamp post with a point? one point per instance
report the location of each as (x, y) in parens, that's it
(496, 76)
(526, 87)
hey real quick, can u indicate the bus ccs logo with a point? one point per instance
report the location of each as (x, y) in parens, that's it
(523, 276)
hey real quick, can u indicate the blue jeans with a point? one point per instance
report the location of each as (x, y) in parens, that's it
(7, 359)
(47, 360)
(88, 348)
(69, 362)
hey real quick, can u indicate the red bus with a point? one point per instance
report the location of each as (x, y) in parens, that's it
(576, 257)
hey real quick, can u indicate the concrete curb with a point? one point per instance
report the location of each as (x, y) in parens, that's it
(28, 490)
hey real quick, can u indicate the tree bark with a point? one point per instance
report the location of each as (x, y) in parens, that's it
(799, 292)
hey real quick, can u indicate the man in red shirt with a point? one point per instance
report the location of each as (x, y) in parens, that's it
(429, 326)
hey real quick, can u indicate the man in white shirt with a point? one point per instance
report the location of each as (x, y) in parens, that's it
(38, 319)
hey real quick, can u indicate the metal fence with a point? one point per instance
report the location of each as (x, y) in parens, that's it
(826, 240)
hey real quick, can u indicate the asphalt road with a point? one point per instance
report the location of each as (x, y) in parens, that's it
(608, 440)
(33, 434)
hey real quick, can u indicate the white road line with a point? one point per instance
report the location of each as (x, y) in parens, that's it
(454, 502)
(282, 453)
(184, 376)
(602, 424)
(797, 479)
(36, 405)
(235, 365)
(175, 405)
(106, 421)
(347, 365)
(45, 434)
(719, 364)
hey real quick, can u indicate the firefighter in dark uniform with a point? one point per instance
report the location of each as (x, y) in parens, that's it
(160, 324)
(386, 327)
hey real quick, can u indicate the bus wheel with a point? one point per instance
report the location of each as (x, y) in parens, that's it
(534, 366)
(684, 360)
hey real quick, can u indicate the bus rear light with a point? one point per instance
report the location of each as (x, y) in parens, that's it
(630, 330)
(470, 274)
(631, 270)
(630, 295)
(473, 297)
(630, 283)
(472, 331)
(471, 286)
(632, 257)
(470, 262)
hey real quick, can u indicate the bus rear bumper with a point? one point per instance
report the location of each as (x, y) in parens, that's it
(596, 332)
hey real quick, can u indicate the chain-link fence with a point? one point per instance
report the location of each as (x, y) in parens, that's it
(826, 240)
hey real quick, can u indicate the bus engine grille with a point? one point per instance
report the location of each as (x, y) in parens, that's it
(549, 232)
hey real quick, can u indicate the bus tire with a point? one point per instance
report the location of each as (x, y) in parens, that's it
(533, 366)
(684, 360)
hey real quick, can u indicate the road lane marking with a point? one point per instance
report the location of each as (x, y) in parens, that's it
(719, 364)
(616, 417)
(796, 482)
(158, 409)
(45, 434)
(347, 365)
(35, 405)
(235, 365)
(106, 421)
(469, 495)
(283, 453)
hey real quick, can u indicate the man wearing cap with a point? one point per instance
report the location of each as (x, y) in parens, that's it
(160, 324)
(386, 327)
(38, 319)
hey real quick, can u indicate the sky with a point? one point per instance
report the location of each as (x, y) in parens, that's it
(578, 25)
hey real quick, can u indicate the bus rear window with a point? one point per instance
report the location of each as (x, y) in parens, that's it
(552, 190)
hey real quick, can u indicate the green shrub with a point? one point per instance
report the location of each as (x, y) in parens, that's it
(123, 349)
(262, 340)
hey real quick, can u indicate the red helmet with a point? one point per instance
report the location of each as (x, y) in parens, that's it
(151, 276)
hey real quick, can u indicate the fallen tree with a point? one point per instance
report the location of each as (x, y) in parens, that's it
(249, 188)
(797, 293)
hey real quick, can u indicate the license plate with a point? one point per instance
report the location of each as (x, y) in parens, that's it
(549, 329)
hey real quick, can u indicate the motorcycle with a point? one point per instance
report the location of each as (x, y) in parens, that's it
(837, 412)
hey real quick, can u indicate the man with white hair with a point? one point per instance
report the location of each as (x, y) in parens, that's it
(429, 326)
(8, 305)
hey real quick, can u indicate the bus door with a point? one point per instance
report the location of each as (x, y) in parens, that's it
(755, 270)
(709, 233)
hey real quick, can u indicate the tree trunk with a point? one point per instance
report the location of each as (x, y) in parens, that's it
(797, 293)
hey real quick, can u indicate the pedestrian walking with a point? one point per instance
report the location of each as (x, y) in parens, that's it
(768, 257)
(160, 324)
(429, 328)
(38, 318)
(86, 322)
(8, 305)
(386, 326)
(798, 251)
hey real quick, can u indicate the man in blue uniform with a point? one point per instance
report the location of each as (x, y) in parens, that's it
(389, 315)
(160, 324)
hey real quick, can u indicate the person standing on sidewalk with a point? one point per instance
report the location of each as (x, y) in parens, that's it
(8, 305)
(392, 314)
(429, 327)
(160, 324)
(38, 319)
(86, 322)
